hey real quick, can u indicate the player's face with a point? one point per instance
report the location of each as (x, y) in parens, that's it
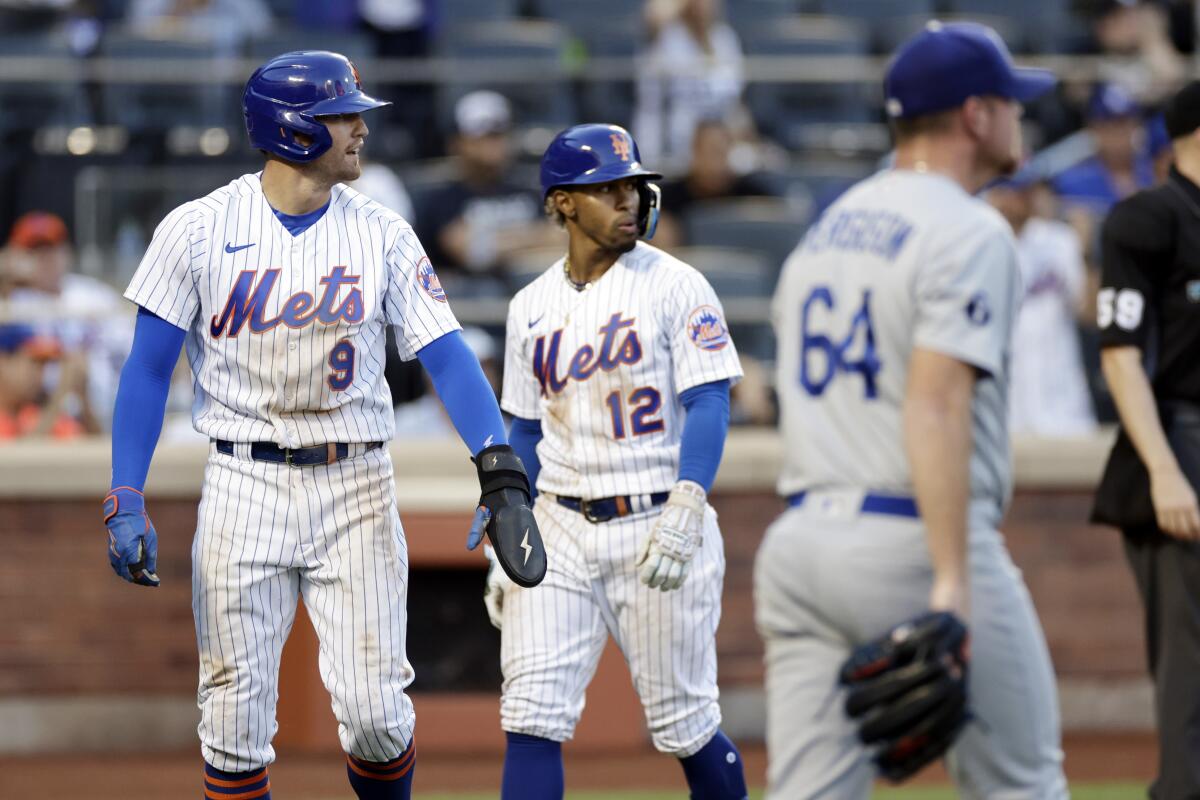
(607, 213)
(340, 163)
(1001, 146)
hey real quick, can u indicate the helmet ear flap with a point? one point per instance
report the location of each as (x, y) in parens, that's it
(650, 201)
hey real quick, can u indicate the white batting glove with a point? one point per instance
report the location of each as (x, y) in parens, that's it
(664, 561)
(493, 589)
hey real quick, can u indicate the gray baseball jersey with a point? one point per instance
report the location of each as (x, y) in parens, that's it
(286, 337)
(903, 260)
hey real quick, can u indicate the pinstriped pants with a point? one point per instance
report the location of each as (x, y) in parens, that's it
(553, 634)
(269, 534)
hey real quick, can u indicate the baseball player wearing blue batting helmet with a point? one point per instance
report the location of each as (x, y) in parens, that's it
(286, 95)
(586, 155)
(284, 283)
(617, 369)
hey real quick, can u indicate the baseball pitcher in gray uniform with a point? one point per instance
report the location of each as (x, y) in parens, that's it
(894, 318)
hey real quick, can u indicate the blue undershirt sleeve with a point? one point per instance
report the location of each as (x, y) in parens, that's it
(524, 436)
(464, 391)
(142, 398)
(704, 430)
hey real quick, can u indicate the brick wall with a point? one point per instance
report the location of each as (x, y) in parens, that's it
(67, 625)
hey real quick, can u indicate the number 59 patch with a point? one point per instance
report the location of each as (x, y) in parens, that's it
(1124, 307)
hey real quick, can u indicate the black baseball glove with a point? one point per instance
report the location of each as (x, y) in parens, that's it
(505, 516)
(908, 692)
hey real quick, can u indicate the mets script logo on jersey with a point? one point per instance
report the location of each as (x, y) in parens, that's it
(706, 329)
(429, 280)
(249, 299)
(586, 360)
(620, 146)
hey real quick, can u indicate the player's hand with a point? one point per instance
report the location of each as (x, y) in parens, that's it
(505, 516)
(493, 589)
(132, 541)
(952, 595)
(1175, 504)
(663, 563)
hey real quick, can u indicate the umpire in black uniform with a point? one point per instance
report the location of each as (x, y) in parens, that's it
(1149, 316)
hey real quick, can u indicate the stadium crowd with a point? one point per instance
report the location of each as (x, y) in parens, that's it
(751, 160)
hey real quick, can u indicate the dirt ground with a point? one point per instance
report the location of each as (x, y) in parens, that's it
(298, 776)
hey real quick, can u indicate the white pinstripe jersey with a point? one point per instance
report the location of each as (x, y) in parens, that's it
(286, 334)
(603, 369)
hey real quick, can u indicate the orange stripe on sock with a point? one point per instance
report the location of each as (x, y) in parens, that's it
(255, 778)
(386, 766)
(383, 775)
(211, 795)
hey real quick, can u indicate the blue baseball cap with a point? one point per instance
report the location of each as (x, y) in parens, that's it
(1111, 101)
(948, 62)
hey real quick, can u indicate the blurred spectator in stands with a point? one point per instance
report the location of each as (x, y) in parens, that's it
(381, 183)
(404, 29)
(712, 175)
(86, 316)
(1049, 388)
(692, 71)
(26, 409)
(401, 28)
(1120, 165)
(474, 224)
(327, 15)
(225, 24)
(425, 417)
(1141, 58)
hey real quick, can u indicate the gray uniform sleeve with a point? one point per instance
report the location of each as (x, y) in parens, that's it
(966, 299)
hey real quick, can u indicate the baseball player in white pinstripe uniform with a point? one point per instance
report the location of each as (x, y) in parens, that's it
(617, 372)
(894, 320)
(282, 283)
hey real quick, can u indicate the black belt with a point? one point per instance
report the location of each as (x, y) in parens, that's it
(607, 508)
(298, 457)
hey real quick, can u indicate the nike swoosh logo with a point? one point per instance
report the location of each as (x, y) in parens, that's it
(230, 248)
(528, 548)
(536, 321)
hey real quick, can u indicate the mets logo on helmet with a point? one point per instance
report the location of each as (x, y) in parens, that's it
(706, 329)
(429, 280)
(620, 145)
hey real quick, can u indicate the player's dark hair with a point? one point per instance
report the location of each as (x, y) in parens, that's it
(908, 128)
(1182, 113)
(551, 209)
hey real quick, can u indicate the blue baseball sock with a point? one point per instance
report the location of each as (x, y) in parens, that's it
(390, 780)
(253, 785)
(533, 769)
(715, 771)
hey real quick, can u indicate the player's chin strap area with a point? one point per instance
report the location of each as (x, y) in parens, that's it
(650, 197)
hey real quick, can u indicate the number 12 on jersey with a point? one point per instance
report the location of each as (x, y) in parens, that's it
(645, 403)
(821, 358)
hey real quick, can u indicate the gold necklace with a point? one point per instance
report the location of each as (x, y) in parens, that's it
(579, 287)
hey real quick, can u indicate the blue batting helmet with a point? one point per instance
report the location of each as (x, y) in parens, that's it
(286, 95)
(594, 153)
